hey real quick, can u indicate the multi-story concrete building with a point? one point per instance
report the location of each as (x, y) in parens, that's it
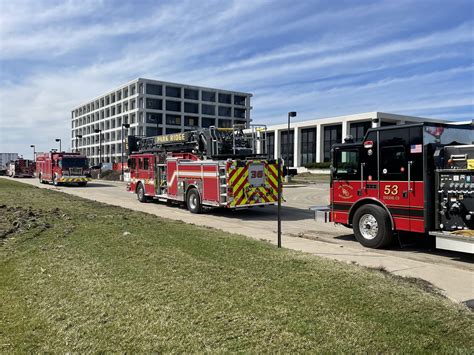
(151, 108)
(312, 139)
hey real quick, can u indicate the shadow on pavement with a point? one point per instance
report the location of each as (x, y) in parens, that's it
(267, 213)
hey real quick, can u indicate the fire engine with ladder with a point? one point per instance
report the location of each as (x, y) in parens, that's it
(208, 167)
(415, 178)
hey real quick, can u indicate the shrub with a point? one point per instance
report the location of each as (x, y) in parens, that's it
(324, 165)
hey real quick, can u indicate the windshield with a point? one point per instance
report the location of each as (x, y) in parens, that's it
(67, 163)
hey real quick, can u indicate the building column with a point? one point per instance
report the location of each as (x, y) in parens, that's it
(296, 147)
(319, 142)
(277, 144)
(345, 130)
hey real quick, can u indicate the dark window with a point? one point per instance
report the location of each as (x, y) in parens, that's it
(145, 163)
(191, 121)
(172, 91)
(140, 163)
(224, 111)
(225, 123)
(173, 130)
(208, 96)
(208, 109)
(154, 89)
(153, 131)
(387, 124)
(359, 129)
(240, 113)
(308, 146)
(393, 161)
(332, 135)
(240, 122)
(191, 107)
(155, 104)
(346, 162)
(225, 98)
(208, 122)
(173, 120)
(156, 118)
(284, 147)
(239, 100)
(271, 145)
(173, 106)
(191, 94)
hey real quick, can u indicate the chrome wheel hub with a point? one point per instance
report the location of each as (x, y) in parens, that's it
(368, 226)
(193, 201)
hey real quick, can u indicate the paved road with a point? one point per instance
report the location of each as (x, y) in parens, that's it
(451, 272)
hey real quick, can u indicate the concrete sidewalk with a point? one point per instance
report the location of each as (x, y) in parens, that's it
(456, 280)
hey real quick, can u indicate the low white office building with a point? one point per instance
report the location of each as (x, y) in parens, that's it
(311, 140)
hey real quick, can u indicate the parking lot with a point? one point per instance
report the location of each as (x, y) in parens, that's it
(451, 272)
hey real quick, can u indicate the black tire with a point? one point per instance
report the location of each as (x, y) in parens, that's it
(193, 201)
(55, 183)
(372, 227)
(141, 193)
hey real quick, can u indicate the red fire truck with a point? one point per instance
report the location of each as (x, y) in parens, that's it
(62, 168)
(212, 167)
(416, 178)
(21, 168)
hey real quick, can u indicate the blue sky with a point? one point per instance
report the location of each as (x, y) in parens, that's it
(320, 58)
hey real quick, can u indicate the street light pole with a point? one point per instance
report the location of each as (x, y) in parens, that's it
(34, 152)
(59, 140)
(290, 114)
(77, 140)
(100, 150)
(124, 125)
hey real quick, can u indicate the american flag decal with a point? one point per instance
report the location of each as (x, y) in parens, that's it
(415, 148)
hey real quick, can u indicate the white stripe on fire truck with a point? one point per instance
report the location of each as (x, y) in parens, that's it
(196, 174)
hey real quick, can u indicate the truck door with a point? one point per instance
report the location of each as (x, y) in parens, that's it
(346, 183)
(401, 171)
(149, 175)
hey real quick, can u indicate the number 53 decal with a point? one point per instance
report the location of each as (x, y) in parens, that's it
(390, 190)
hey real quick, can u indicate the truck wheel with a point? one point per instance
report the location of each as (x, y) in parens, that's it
(372, 227)
(55, 182)
(141, 193)
(193, 201)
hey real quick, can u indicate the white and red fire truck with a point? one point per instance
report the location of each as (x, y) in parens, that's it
(415, 178)
(62, 168)
(21, 168)
(210, 167)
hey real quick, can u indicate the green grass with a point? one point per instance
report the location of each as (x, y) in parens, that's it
(73, 279)
(308, 178)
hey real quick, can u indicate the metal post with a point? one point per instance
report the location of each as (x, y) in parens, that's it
(121, 146)
(279, 203)
(34, 152)
(100, 153)
(288, 144)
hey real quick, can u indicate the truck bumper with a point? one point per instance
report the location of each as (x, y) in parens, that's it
(67, 179)
(455, 242)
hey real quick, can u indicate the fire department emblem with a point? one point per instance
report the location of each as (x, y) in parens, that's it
(345, 191)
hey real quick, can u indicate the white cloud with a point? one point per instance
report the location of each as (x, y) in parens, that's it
(319, 63)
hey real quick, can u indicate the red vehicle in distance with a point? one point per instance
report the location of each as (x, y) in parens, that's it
(62, 168)
(21, 168)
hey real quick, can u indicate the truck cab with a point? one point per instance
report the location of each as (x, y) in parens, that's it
(387, 182)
